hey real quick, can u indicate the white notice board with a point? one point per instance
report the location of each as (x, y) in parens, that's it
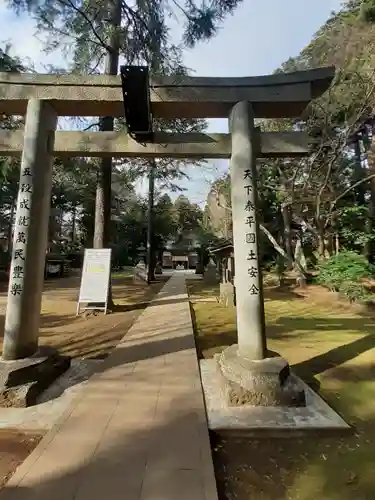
(96, 273)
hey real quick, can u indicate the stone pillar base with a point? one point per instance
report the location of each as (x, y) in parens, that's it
(158, 269)
(140, 273)
(199, 268)
(23, 380)
(227, 294)
(210, 277)
(266, 382)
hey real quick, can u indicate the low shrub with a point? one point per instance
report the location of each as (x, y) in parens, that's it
(344, 273)
(346, 267)
(354, 291)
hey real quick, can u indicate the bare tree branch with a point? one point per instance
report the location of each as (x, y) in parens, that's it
(91, 126)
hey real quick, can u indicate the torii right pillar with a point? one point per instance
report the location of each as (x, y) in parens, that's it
(251, 376)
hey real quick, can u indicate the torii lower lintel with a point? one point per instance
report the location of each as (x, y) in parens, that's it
(191, 145)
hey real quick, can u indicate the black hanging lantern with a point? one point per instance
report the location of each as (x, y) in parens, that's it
(136, 95)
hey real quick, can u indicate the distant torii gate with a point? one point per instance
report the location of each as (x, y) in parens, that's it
(42, 98)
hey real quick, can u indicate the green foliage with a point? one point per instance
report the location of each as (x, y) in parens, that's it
(188, 216)
(94, 34)
(352, 227)
(367, 11)
(343, 272)
(81, 28)
(171, 220)
(354, 291)
(8, 63)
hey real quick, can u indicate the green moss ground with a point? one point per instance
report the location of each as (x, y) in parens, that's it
(332, 346)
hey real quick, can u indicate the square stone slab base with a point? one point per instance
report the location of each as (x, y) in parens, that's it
(265, 421)
(23, 380)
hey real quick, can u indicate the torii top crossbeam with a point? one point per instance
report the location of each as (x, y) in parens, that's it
(273, 96)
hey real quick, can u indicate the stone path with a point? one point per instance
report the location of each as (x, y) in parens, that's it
(138, 430)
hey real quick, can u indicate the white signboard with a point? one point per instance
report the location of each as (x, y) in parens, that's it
(96, 274)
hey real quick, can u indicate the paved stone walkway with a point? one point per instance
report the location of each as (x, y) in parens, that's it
(138, 431)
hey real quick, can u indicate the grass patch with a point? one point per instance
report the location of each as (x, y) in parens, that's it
(197, 289)
(127, 272)
(330, 344)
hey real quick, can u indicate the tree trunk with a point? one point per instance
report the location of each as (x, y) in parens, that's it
(155, 66)
(287, 220)
(301, 269)
(61, 223)
(280, 264)
(371, 218)
(103, 197)
(280, 250)
(150, 224)
(73, 230)
(330, 244)
(371, 203)
(321, 242)
(359, 174)
(53, 226)
(104, 180)
(335, 237)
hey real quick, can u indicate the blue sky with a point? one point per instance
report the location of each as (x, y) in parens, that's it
(254, 41)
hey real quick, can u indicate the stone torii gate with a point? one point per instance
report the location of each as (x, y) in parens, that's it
(42, 98)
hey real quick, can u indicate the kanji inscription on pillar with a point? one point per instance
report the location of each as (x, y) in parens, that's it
(251, 237)
(22, 220)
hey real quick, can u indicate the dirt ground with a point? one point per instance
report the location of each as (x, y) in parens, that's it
(330, 344)
(92, 336)
(87, 336)
(14, 448)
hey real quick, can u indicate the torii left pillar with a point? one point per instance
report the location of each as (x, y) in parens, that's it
(22, 363)
(30, 233)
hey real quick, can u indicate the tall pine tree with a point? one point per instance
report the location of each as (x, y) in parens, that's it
(94, 33)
